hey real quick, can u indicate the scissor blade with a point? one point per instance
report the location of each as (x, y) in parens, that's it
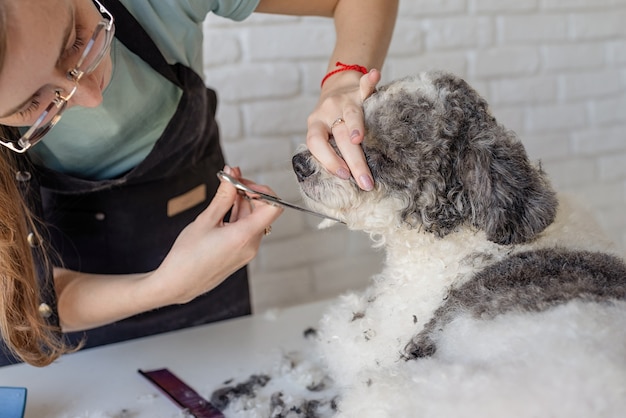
(281, 202)
(254, 194)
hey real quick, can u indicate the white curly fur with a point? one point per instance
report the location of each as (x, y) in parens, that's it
(566, 362)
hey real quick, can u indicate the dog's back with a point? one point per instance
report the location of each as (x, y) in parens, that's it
(529, 281)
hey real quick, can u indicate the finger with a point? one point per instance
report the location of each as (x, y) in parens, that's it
(241, 206)
(317, 142)
(354, 117)
(245, 206)
(234, 171)
(355, 158)
(221, 203)
(264, 215)
(255, 225)
(261, 189)
(349, 137)
(368, 83)
(239, 209)
(353, 128)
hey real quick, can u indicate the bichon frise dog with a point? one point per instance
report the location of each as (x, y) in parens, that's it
(497, 299)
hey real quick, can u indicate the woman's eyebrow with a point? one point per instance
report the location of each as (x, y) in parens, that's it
(66, 37)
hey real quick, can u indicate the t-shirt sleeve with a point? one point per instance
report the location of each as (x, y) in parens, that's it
(176, 25)
(236, 10)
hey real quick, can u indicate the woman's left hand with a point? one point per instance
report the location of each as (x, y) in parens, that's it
(339, 114)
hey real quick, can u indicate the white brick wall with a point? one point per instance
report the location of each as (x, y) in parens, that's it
(553, 70)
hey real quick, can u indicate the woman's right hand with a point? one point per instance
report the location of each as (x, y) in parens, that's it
(209, 250)
(205, 253)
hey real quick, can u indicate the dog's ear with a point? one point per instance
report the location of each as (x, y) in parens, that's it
(511, 199)
(508, 197)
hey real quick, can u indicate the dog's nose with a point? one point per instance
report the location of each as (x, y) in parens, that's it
(301, 166)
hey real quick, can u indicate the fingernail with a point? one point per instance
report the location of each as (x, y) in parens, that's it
(367, 183)
(354, 134)
(228, 170)
(343, 173)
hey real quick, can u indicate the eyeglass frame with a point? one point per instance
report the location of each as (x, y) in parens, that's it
(74, 74)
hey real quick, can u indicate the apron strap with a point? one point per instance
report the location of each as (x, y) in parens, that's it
(130, 32)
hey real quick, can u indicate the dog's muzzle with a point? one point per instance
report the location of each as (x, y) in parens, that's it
(301, 166)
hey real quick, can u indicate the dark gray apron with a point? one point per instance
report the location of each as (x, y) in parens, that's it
(122, 225)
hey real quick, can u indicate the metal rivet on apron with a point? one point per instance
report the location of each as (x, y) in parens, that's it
(99, 216)
(23, 176)
(33, 240)
(44, 310)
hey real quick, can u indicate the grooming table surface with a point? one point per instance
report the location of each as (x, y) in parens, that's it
(103, 381)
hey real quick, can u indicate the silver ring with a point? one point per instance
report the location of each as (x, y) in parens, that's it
(337, 122)
(268, 230)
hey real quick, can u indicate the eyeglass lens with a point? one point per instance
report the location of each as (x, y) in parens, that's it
(94, 52)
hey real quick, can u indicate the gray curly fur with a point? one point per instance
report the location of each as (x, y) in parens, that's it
(451, 161)
(531, 281)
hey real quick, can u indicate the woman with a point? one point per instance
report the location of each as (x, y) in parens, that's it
(126, 181)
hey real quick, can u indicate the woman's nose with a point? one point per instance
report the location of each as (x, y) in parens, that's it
(87, 94)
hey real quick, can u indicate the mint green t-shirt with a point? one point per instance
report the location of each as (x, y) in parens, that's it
(106, 141)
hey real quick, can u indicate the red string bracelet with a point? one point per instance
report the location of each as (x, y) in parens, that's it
(344, 67)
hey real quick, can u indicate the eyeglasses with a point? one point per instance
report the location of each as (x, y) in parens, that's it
(94, 51)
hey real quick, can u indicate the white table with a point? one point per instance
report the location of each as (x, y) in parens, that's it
(103, 382)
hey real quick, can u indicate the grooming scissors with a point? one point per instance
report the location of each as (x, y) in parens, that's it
(272, 200)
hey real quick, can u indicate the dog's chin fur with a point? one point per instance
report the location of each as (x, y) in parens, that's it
(496, 298)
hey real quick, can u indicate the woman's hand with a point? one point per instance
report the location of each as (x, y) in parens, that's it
(363, 30)
(339, 113)
(205, 253)
(209, 249)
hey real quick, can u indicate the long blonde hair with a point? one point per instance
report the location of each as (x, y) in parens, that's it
(26, 333)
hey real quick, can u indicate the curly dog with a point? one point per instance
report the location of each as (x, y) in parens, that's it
(498, 297)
